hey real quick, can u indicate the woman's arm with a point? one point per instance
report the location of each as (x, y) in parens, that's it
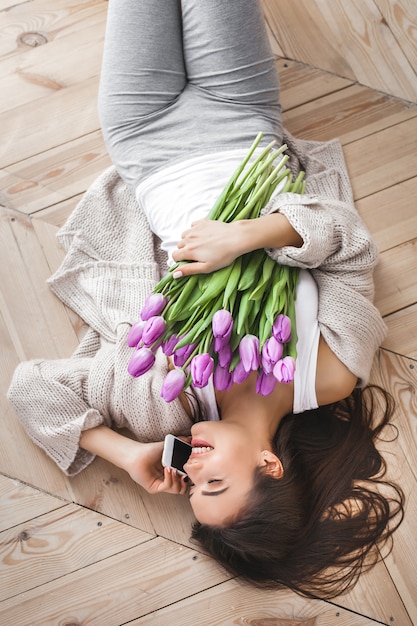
(142, 461)
(213, 245)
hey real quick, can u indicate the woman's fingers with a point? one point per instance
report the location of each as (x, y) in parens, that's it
(173, 482)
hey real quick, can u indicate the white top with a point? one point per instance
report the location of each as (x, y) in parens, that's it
(182, 193)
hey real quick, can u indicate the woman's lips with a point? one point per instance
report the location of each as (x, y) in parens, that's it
(199, 443)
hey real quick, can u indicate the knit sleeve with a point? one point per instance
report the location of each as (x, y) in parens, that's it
(340, 253)
(49, 398)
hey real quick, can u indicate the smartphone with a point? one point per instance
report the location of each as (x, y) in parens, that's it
(175, 453)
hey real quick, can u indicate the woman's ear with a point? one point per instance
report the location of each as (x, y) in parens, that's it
(271, 464)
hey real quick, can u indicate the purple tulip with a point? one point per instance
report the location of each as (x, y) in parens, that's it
(222, 378)
(154, 305)
(135, 334)
(222, 324)
(281, 328)
(284, 370)
(183, 354)
(249, 352)
(225, 355)
(141, 362)
(154, 329)
(168, 346)
(271, 354)
(201, 369)
(239, 374)
(265, 384)
(173, 385)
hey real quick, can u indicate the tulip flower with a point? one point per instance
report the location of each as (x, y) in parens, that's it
(154, 305)
(284, 370)
(135, 334)
(239, 374)
(201, 369)
(225, 355)
(249, 352)
(271, 354)
(182, 355)
(222, 324)
(173, 385)
(265, 384)
(222, 378)
(154, 329)
(168, 346)
(142, 361)
(281, 328)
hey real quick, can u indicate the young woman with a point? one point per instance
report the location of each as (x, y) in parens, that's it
(282, 485)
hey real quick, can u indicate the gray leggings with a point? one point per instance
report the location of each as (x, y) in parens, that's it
(182, 78)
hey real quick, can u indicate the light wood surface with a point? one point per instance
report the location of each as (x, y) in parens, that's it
(96, 549)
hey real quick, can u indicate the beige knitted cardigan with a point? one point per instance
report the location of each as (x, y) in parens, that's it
(112, 262)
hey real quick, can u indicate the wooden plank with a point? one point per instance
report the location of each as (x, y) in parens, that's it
(105, 488)
(301, 83)
(116, 590)
(55, 175)
(19, 503)
(395, 278)
(349, 114)
(401, 17)
(57, 214)
(39, 16)
(230, 604)
(50, 123)
(382, 159)
(58, 543)
(32, 313)
(402, 332)
(349, 39)
(35, 72)
(289, 21)
(171, 517)
(391, 214)
(399, 376)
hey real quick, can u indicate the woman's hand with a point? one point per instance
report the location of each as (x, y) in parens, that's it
(210, 244)
(145, 468)
(213, 245)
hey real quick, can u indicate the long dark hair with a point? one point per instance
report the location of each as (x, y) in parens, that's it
(317, 528)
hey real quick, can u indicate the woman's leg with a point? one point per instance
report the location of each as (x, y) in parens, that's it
(227, 51)
(142, 72)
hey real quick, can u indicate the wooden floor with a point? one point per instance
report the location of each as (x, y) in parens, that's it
(96, 549)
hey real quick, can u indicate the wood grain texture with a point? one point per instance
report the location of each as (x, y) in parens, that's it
(349, 38)
(58, 543)
(117, 589)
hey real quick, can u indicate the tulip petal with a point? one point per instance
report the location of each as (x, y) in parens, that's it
(142, 361)
(173, 385)
(249, 352)
(154, 305)
(284, 370)
(135, 334)
(201, 369)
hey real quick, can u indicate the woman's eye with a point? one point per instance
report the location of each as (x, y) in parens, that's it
(215, 480)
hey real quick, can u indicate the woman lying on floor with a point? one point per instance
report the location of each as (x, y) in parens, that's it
(284, 487)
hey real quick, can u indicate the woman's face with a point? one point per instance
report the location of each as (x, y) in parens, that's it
(221, 469)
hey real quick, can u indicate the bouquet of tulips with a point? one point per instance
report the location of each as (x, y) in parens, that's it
(235, 320)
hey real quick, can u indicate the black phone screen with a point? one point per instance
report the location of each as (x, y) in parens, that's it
(180, 454)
